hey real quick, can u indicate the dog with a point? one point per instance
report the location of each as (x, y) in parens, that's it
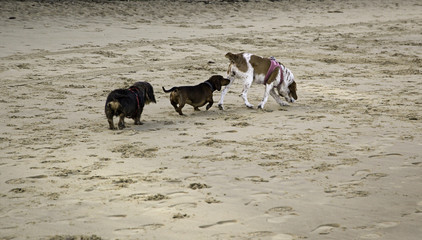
(196, 96)
(128, 103)
(278, 80)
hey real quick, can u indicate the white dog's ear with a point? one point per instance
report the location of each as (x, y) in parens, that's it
(231, 57)
(293, 89)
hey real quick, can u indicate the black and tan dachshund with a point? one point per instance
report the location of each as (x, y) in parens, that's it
(128, 103)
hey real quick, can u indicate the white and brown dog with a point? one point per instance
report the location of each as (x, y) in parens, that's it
(278, 80)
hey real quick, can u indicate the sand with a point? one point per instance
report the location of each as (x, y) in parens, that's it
(343, 162)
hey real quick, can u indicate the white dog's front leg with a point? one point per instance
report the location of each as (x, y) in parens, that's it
(268, 88)
(223, 94)
(246, 86)
(277, 98)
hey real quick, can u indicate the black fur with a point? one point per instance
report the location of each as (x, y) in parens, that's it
(128, 103)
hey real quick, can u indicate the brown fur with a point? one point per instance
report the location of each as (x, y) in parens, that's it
(292, 88)
(196, 96)
(238, 61)
(259, 64)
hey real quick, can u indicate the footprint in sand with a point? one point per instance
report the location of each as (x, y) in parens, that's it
(16, 181)
(256, 179)
(195, 186)
(38, 176)
(260, 234)
(379, 225)
(183, 206)
(177, 193)
(180, 216)
(375, 176)
(117, 216)
(218, 223)
(353, 194)
(140, 229)
(280, 214)
(371, 236)
(326, 228)
(386, 224)
(18, 190)
(282, 236)
(282, 210)
(361, 172)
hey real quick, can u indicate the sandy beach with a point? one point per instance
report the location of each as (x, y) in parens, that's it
(343, 162)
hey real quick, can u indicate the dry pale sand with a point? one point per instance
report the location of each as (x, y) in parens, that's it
(343, 162)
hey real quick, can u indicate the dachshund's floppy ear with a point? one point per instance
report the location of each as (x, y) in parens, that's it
(216, 81)
(150, 94)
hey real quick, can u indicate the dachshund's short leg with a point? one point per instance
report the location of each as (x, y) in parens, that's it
(110, 122)
(210, 103)
(196, 109)
(122, 121)
(138, 118)
(179, 109)
(138, 121)
(182, 102)
(109, 114)
(174, 104)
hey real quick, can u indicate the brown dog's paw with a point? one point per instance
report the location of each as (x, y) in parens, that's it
(179, 111)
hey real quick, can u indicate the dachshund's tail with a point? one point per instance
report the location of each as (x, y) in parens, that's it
(114, 105)
(170, 90)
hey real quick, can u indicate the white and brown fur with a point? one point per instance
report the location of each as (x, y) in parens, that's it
(253, 69)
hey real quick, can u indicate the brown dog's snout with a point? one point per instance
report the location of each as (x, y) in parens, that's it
(218, 81)
(225, 82)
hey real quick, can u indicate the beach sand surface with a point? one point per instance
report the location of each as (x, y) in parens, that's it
(343, 162)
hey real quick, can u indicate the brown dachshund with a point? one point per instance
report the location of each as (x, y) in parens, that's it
(196, 96)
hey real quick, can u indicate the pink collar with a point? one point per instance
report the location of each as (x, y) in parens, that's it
(273, 65)
(134, 90)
